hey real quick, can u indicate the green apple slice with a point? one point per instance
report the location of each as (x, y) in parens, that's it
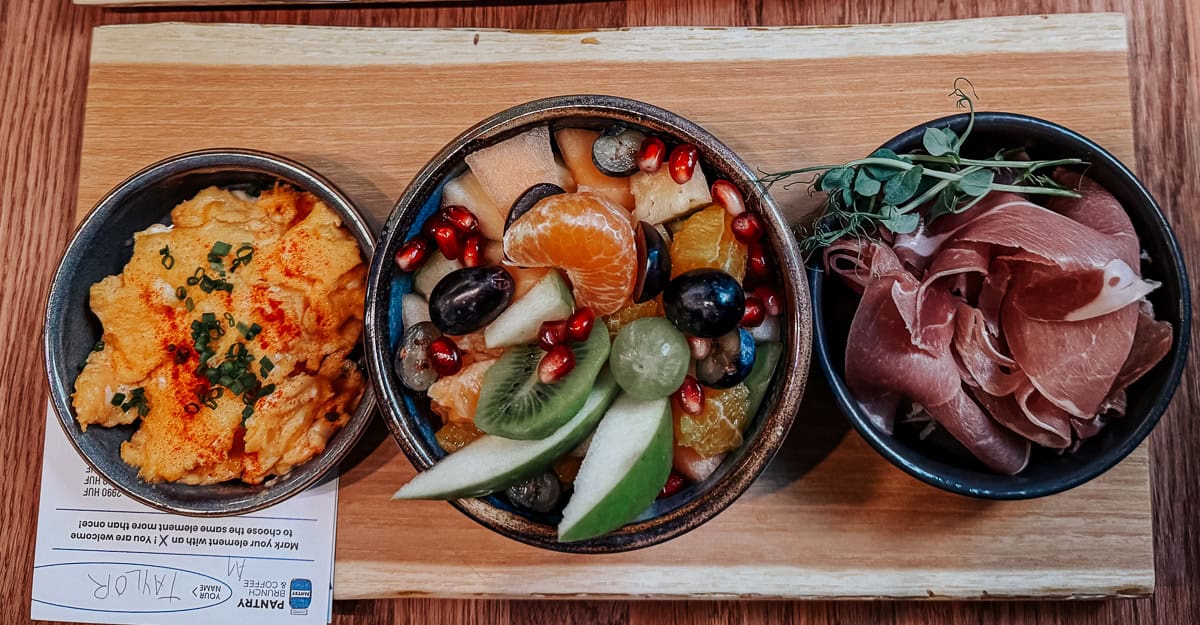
(550, 299)
(626, 466)
(492, 463)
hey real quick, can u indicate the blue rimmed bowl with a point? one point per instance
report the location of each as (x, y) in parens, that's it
(939, 460)
(412, 422)
(102, 245)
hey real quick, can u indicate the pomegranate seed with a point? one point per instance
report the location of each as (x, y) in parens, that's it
(700, 346)
(690, 396)
(472, 251)
(746, 228)
(756, 263)
(755, 312)
(552, 334)
(683, 163)
(445, 355)
(556, 364)
(462, 218)
(412, 255)
(431, 223)
(728, 196)
(447, 238)
(651, 154)
(771, 299)
(579, 324)
(674, 484)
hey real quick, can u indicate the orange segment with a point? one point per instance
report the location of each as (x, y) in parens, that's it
(457, 434)
(630, 312)
(576, 147)
(455, 397)
(585, 235)
(718, 428)
(705, 240)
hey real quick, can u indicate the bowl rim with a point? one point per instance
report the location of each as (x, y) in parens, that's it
(257, 161)
(882, 442)
(778, 412)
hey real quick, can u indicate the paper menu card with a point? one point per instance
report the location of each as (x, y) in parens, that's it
(104, 558)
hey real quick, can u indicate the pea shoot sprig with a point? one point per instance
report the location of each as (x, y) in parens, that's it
(892, 191)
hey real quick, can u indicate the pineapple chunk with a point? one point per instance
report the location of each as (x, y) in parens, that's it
(576, 147)
(465, 190)
(507, 169)
(660, 199)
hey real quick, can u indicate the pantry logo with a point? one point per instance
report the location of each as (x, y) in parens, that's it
(300, 595)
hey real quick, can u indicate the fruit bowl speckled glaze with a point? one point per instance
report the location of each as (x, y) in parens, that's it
(101, 247)
(408, 414)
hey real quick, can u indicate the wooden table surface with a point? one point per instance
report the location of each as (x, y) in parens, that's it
(43, 69)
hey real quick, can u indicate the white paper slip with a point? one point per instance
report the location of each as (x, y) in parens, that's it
(103, 558)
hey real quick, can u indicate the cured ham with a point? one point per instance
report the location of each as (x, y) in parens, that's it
(1010, 324)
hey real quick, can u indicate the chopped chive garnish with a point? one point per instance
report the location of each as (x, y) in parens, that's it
(136, 399)
(118, 399)
(265, 366)
(266, 390)
(180, 293)
(254, 330)
(220, 248)
(192, 408)
(190, 304)
(196, 276)
(229, 319)
(168, 261)
(247, 412)
(244, 255)
(98, 347)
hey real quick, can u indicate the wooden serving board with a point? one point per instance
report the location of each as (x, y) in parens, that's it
(829, 518)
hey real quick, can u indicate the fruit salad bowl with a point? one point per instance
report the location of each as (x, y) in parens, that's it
(482, 320)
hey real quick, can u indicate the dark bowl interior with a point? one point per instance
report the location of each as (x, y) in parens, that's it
(413, 423)
(941, 461)
(101, 246)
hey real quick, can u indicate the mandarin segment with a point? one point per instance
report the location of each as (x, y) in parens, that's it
(718, 428)
(631, 311)
(706, 241)
(585, 235)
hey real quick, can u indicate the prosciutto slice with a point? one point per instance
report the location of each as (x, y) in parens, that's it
(1011, 323)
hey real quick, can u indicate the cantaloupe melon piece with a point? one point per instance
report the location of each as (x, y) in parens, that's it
(507, 169)
(576, 147)
(465, 190)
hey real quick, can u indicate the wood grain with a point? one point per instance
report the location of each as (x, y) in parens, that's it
(43, 62)
(888, 532)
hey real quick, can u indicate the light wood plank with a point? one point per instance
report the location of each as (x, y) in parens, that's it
(830, 518)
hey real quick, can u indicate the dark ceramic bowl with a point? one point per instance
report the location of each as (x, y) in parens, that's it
(940, 460)
(101, 246)
(408, 415)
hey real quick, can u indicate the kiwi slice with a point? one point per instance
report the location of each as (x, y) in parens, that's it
(514, 403)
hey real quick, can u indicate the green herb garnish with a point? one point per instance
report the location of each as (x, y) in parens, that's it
(136, 399)
(99, 346)
(265, 366)
(167, 260)
(243, 256)
(893, 191)
(249, 331)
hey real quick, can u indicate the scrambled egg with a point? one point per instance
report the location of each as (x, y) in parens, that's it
(228, 335)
